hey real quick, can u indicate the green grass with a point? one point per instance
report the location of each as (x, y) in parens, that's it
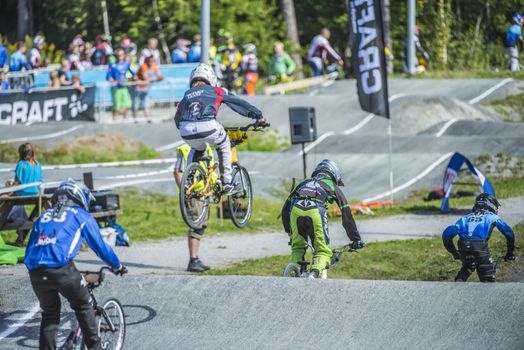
(504, 187)
(416, 260)
(266, 141)
(154, 216)
(92, 149)
(512, 107)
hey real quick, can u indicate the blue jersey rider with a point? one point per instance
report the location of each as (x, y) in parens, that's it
(474, 231)
(54, 242)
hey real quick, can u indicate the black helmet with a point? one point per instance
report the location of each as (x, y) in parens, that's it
(329, 169)
(69, 193)
(485, 201)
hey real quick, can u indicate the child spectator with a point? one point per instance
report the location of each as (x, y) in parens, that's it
(28, 170)
(62, 73)
(150, 50)
(4, 83)
(54, 80)
(18, 61)
(77, 84)
(117, 76)
(74, 58)
(249, 67)
(87, 55)
(281, 66)
(147, 73)
(179, 54)
(193, 56)
(35, 58)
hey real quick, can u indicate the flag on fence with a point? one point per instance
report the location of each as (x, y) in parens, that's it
(366, 36)
(451, 174)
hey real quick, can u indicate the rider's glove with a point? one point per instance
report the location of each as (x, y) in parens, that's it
(357, 245)
(509, 257)
(122, 270)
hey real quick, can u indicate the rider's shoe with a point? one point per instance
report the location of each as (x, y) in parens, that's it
(314, 274)
(228, 189)
(196, 265)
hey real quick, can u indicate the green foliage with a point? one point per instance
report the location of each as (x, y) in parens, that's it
(93, 149)
(415, 259)
(510, 106)
(267, 141)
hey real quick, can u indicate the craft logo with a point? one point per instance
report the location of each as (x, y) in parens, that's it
(363, 24)
(41, 110)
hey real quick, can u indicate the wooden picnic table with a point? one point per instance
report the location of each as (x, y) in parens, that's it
(40, 204)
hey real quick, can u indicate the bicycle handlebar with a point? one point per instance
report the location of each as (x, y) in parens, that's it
(95, 281)
(258, 125)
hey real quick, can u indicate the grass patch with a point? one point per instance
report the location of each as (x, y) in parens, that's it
(89, 149)
(267, 141)
(511, 107)
(154, 216)
(414, 260)
(505, 188)
(463, 74)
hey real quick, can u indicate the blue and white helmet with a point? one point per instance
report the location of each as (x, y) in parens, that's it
(70, 193)
(329, 169)
(205, 73)
(517, 18)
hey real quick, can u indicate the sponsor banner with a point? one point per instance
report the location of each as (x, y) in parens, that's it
(366, 36)
(45, 106)
(451, 174)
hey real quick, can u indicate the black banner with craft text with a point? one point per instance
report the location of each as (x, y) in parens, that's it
(45, 106)
(366, 36)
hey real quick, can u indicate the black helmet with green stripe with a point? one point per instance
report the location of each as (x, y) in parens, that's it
(328, 168)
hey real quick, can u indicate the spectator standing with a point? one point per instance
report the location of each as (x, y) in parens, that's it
(193, 56)
(75, 62)
(102, 50)
(512, 38)
(419, 68)
(319, 51)
(87, 55)
(35, 59)
(4, 60)
(18, 61)
(150, 50)
(148, 73)
(249, 67)
(28, 170)
(281, 65)
(179, 54)
(117, 76)
(4, 82)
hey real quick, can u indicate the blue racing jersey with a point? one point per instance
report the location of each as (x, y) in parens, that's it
(56, 241)
(513, 34)
(478, 225)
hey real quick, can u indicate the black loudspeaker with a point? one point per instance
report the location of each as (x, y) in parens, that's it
(302, 124)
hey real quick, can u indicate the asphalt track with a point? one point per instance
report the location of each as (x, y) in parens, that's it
(186, 312)
(183, 312)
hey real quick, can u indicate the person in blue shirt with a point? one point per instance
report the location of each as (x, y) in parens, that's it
(3, 55)
(179, 54)
(18, 61)
(54, 242)
(474, 231)
(4, 82)
(28, 170)
(512, 37)
(117, 76)
(193, 56)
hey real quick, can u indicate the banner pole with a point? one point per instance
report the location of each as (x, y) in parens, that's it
(390, 141)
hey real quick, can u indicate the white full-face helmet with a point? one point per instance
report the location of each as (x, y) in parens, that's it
(203, 72)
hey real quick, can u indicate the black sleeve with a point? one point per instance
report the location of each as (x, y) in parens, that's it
(241, 106)
(178, 114)
(347, 218)
(286, 222)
